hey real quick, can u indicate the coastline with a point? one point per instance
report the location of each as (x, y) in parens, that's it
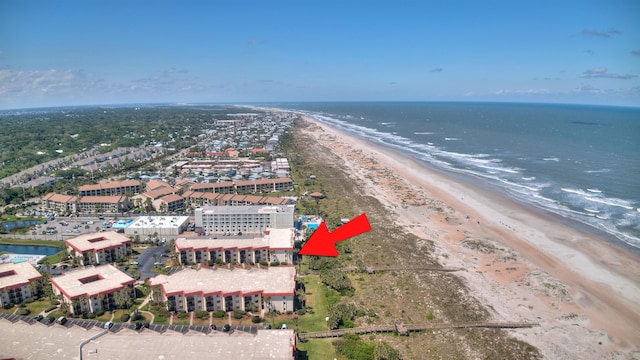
(524, 266)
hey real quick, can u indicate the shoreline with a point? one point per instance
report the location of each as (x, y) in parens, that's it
(550, 273)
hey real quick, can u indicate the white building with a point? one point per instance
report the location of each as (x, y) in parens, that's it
(159, 225)
(93, 288)
(244, 219)
(228, 290)
(18, 282)
(275, 246)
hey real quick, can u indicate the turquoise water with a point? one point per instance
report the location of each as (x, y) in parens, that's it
(30, 249)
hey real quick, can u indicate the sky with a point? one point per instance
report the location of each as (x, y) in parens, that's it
(61, 53)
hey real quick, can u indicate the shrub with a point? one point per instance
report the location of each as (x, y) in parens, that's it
(201, 314)
(55, 302)
(238, 314)
(301, 311)
(256, 319)
(219, 314)
(22, 305)
(182, 315)
(275, 263)
(430, 316)
(100, 313)
(51, 308)
(29, 300)
(8, 306)
(124, 317)
(90, 315)
(24, 311)
(264, 263)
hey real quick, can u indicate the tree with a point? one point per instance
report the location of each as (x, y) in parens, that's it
(302, 297)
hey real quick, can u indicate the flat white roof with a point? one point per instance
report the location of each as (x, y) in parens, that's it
(97, 241)
(13, 275)
(275, 239)
(155, 222)
(38, 341)
(91, 281)
(251, 209)
(274, 281)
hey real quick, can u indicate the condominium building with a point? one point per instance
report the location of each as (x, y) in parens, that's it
(264, 185)
(18, 282)
(99, 248)
(244, 219)
(275, 246)
(225, 187)
(228, 290)
(111, 188)
(93, 289)
(197, 199)
(59, 202)
(169, 203)
(107, 204)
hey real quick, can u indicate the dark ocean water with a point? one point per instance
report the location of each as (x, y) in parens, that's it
(580, 162)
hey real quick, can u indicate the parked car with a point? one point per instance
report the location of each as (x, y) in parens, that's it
(108, 325)
(62, 320)
(284, 326)
(226, 327)
(38, 318)
(267, 326)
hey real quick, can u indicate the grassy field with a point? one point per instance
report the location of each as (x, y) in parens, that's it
(316, 300)
(52, 243)
(319, 349)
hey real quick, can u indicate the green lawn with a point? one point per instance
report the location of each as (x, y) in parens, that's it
(38, 306)
(317, 349)
(177, 321)
(315, 299)
(8, 311)
(52, 243)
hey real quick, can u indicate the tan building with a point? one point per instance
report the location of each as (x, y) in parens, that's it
(264, 185)
(106, 204)
(99, 248)
(199, 199)
(228, 290)
(111, 188)
(18, 282)
(152, 185)
(93, 289)
(59, 202)
(225, 187)
(275, 246)
(169, 203)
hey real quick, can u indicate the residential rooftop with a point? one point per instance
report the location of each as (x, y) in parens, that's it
(24, 341)
(273, 281)
(92, 281)
(97, 241)
(13, 275)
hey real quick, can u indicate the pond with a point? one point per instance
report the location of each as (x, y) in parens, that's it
(30, 249)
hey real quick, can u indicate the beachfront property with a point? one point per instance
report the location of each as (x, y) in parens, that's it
(275, 246)
(169, 203)
(19, 281)
(264, 185)
(196, 199)
(227, 289)
(59, 202)
(153, 185)
(100, 204)
(99, 248)
(111, 188)
(243, 219)
(158, 226)
(93, 289)
(225, 187)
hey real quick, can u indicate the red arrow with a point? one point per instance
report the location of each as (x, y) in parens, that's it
(322, 242)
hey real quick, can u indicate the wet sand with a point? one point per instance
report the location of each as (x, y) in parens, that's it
(523, 265)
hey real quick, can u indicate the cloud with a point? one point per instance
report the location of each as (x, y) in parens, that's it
(602, 72)
(635, 52)
(436, 70)
(522, 92)
(604, 34)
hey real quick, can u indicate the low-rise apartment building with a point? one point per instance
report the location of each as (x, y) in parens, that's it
(93, 289)
(100, 204)
(243, 219)
(275, 246)
(18, 282)
(227, 290)
(111, 188)
(198, 199)
(59, 202)
(99, 248)
(225, 187)
(169, 203)
(264, 185)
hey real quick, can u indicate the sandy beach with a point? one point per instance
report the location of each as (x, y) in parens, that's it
(523, 265)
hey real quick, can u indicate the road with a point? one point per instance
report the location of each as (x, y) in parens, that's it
(146, 260)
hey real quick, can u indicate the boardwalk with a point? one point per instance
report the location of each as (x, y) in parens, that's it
(401, 328)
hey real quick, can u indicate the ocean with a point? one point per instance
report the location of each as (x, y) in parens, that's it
(578, 161)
